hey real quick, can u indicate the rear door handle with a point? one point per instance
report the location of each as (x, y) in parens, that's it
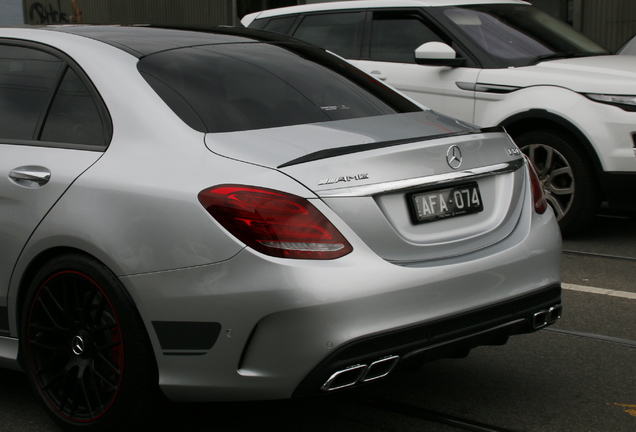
(30, 176)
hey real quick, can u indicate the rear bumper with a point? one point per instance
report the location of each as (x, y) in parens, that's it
(277, 328)
(375, 357)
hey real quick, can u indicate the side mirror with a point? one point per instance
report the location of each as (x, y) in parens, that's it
(437, 54)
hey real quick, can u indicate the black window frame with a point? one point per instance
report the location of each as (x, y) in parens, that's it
(68, 63)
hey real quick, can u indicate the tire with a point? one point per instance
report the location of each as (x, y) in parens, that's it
(85, 350)
(568, 177)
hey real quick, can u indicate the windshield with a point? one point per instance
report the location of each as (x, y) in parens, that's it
(520, 35)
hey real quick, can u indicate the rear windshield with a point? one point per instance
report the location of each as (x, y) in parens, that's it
(234, 87)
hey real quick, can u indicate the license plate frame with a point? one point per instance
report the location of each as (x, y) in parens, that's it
(443, 203)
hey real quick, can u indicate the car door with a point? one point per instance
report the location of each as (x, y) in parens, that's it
(52, 128)
(390, 41)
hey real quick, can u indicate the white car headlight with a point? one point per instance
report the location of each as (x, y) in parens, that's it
(626, 102)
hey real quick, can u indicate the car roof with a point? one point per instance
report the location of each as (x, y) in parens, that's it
(364, 4)
(143, 40)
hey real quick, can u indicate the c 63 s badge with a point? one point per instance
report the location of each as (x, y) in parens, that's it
(334, 180)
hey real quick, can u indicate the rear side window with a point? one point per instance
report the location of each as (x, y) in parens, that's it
(233, 87)
(27, 79)
(73, 118)
(394, 38)
(280, 25)
(43, 99)
(336, 32)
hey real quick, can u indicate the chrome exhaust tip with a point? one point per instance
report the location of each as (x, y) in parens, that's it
(360, 373)
(546, 317)
(344, 378)
(380, 368)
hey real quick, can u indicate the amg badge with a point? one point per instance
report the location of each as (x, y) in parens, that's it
(334, 180)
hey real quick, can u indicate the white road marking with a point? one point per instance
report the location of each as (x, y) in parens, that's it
(602, 291)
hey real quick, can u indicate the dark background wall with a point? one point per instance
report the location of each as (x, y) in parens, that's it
(608, 22)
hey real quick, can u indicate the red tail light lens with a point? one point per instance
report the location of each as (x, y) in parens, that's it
(274, 223)
(540, 203)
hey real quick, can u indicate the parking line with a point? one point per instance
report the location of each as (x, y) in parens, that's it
(602, 291)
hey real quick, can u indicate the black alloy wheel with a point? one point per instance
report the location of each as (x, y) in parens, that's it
(85, 347)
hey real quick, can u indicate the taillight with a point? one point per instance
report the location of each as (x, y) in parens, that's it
(274, 223)
(538, 197)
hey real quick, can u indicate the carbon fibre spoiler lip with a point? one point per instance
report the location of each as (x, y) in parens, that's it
(339, 151)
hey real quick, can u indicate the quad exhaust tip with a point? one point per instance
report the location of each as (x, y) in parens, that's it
(360, 373)
(546, 317)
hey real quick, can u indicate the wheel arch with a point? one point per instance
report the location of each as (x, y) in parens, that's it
(535, 119)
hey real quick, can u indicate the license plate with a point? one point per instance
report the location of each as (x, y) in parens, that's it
(445, 203)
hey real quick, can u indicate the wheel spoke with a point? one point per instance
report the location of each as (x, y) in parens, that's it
(55, 378)
(108, 362)
(547, 165)
(58, 354)
(105, 381)
(56, 304)
(43, 304)
(556, 190)
(81, 384)
(95, 385)
(48, 329)
(86, 317)
(559, 211)
(565, 171)
(67, 390)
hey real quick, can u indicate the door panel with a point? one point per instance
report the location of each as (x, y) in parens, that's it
(433, 86)
(51, 130)
(26, 196)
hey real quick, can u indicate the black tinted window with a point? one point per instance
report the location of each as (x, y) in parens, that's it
(236, 87)
(395, 38)
(280, 25)
(337, 32)
(27, 77)
(73, 117)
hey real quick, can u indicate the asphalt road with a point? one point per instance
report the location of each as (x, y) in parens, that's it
(578, 375)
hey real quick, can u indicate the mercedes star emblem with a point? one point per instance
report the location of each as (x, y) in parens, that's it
(454, 157)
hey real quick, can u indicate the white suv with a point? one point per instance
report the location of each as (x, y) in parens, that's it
(569, 105)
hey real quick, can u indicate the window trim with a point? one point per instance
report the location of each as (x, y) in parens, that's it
(69, 63)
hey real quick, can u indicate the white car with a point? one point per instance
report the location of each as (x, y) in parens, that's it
(568, 104)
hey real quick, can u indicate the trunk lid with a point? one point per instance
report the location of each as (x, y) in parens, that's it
(372, 171)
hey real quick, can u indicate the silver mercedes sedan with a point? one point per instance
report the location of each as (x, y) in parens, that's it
(227, 214)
